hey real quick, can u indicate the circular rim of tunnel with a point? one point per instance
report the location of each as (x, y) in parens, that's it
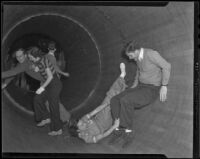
(78, 23)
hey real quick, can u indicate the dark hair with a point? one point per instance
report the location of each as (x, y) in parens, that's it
(20, 49)
(12, 57)
(35, 52)
(51, 45)
(132, 46)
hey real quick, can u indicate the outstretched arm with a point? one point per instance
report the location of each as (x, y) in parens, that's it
(14, 71)
(117, 83)
(6, 82)
(66, 74)
(94, 112)
(52, 59)
(98, 109)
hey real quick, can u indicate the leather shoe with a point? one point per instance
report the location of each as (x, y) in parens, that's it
(54, 133)
(44, 122)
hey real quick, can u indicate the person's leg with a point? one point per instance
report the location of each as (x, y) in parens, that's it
(115, 104)
(115, 112)
(138, 98)
(54, 90)
(40, 109)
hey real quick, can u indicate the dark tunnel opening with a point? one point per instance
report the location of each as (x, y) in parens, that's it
(81, 58)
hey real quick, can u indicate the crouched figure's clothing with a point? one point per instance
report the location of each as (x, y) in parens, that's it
(102, 121)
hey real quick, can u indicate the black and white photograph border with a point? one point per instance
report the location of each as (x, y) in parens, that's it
(90, 40)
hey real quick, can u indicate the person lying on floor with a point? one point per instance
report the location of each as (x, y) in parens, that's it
(97, 124)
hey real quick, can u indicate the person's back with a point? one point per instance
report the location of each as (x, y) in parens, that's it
(51, 57)
(150, 67)
(64, 114)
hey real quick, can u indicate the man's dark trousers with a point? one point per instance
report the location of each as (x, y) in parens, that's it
(123, 104)
(52, 95)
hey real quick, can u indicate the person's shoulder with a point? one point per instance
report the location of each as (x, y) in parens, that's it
(50, 57)
(150, 52)
(23, 66)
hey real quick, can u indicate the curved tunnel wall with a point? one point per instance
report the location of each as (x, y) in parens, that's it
(169, 30)
(80, 50)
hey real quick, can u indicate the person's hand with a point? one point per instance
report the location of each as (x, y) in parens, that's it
(163, 93)
(85, 118)
(40, 90)
(116, 123)
(134, 85)
(123, 71)
(122, 83)
(66, 74)
(35, 68)
(3, 85)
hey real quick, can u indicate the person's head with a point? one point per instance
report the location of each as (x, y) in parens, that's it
(52, 46)
(34, 54)
(20, 55)
(81, 125)
(132, 51)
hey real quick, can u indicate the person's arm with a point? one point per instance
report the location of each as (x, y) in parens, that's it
(48, 80)
(52, 59)
(166, 69)
(108, 132)
(6, 82)
(61, 72)
(156, 58)
(94, 112)
(98, 109)
(49, 76)
(135, 83)
(14, 71)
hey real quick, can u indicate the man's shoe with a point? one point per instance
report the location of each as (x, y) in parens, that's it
(44, 122)
(54, 133)
(115, 136)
